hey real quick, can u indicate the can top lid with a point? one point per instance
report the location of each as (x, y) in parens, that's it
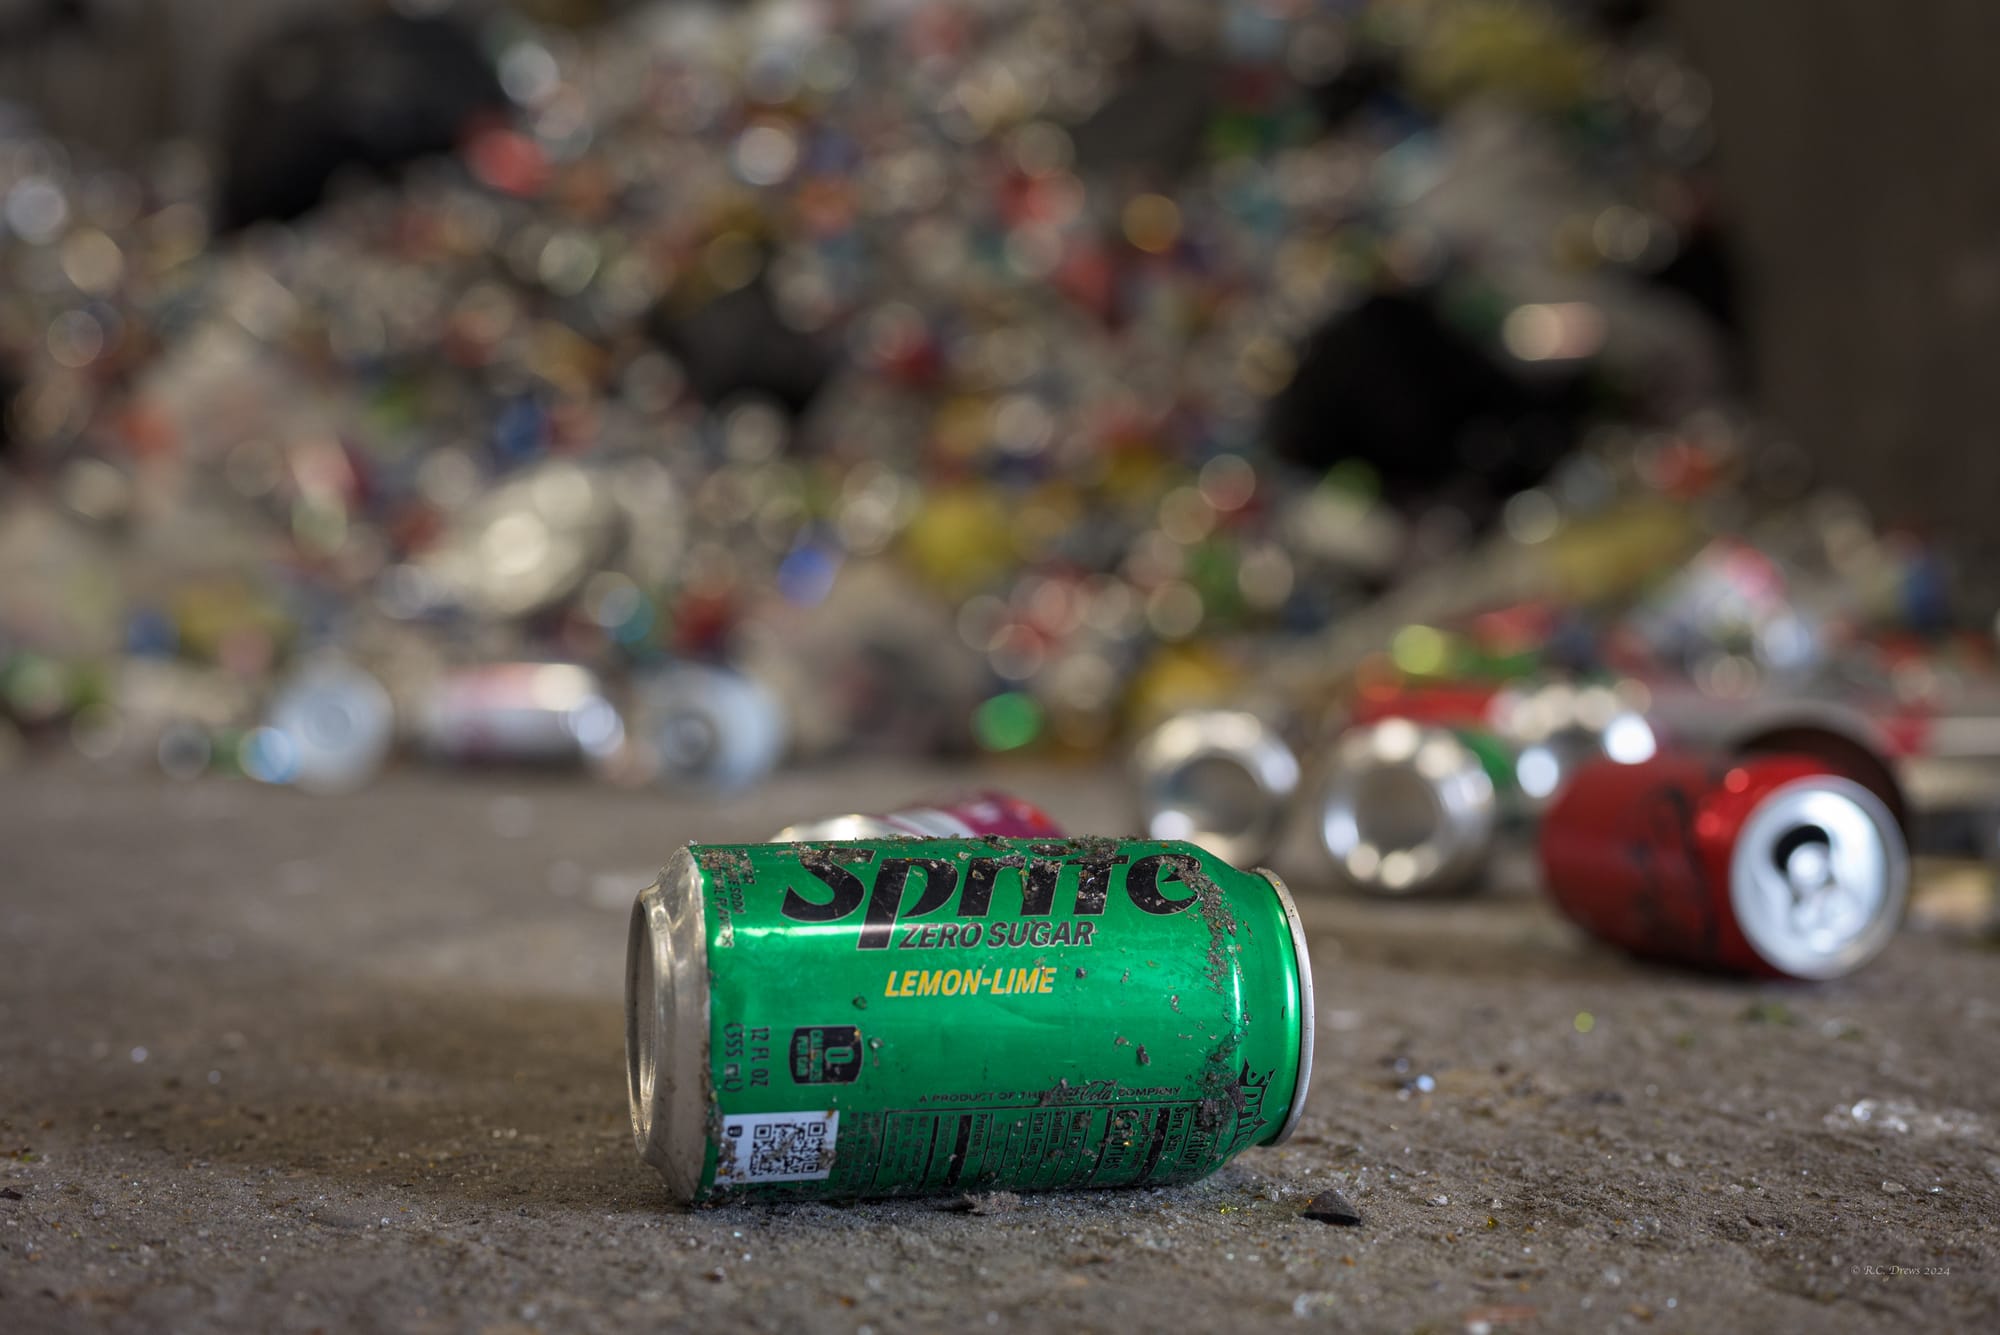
(1218, 778)
(666, 1026)
(1819, 877)
(1307, 1022)
(1406, 809)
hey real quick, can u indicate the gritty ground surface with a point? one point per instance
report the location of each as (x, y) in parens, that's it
(270, 1063)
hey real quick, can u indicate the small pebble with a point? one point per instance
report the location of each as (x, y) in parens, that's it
(1330, 1207)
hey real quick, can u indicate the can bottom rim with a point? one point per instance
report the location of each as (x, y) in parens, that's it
(666, 1026)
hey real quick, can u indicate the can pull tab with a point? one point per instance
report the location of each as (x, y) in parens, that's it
(1808, 867)
(1823, 904)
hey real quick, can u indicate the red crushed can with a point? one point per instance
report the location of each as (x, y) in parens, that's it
(975, 816)
(1769, 865)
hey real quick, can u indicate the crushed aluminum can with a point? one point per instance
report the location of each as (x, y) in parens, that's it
(1144, 1014)
(518, 714)
(1223, 779)
(709, 727)
(528, 543)
(1772, 865)
(979, 815)
(1405, 810)
(1732, 596)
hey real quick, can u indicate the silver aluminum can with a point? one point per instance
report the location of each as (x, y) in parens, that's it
(328, 731)
(529, 543)
(1223, 779)
(710, 728)
(1405, 810)
(519, 714)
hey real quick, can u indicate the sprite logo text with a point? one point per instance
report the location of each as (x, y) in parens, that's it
(902, 888)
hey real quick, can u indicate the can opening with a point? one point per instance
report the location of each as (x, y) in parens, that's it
(1220, 779)
(1819, 877)
(1406, 810)
(1215, 794)
(1805, 856)
(1397, 810)
(688, 741)
(329, 723)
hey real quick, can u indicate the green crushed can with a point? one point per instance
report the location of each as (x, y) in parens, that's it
(894, 1017)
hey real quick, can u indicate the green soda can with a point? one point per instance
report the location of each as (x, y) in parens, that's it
(890, 1017)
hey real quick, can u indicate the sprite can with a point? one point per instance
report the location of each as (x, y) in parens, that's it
(892, 1017)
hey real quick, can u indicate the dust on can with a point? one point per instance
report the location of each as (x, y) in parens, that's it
(899, 1017)
(1773, 865)
(979, 814)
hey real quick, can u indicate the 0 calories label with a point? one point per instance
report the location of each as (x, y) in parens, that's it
(776, 1147)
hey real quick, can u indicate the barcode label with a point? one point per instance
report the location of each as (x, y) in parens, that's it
(776, 1147)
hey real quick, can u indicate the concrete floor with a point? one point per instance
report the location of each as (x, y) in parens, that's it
(274, 1063)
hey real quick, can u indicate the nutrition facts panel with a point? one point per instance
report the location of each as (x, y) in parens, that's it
(1033, 1148)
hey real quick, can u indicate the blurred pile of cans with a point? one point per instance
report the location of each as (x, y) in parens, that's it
(1734, 772)
(795, 379)
(1755, 849)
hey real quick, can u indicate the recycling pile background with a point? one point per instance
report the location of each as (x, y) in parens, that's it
(773, 384)
(715, 420)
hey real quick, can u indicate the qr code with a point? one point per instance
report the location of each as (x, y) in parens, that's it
(777, 1147)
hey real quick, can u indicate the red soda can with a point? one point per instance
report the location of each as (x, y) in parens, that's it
(975, 816)
(1768, 864)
